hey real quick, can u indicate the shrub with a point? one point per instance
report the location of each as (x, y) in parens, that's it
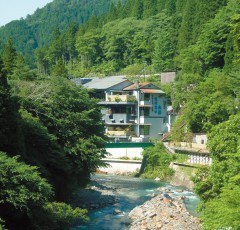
(158, 161)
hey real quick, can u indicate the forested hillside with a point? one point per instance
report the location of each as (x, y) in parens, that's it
(36, 30)
(54, 125)
(55, 128)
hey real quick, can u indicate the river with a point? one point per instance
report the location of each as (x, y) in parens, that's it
(130, 193)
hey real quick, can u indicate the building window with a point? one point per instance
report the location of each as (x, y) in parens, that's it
(156, 107)
(146, 97)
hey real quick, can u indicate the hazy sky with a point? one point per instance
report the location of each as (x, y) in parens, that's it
(16, 9)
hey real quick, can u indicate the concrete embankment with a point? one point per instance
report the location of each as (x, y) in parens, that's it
(182, 175)
(121, 167)
(163, 212)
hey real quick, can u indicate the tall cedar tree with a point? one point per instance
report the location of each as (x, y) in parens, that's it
(9, 119)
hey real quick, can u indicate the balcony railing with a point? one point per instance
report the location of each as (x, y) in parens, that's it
(122, 118)
(120, 133)
(121, 98)
(145, 103)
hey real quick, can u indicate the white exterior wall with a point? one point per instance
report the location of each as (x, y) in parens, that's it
(121, 167)
(158, 116)
(124, 152)
(200, 138)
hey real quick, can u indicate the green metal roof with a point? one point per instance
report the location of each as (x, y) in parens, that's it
(128, 145)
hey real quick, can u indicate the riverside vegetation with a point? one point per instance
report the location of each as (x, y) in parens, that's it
(51, 131)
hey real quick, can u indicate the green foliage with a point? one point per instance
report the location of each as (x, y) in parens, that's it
(36, 30)
(61, 215)
(224, 139)
(218, 187)
(59, 127)
(9, 57)
(21, 185)
(22, 191)
(124, 158)
(2, 226)
(24, 199)
(164, 53)
(42, 150)
(60, 131)
(59, 70)
(21, 71)
(232, 58)
(223, 144)
(157, 162)
(210, 102)
(178, 130)
(64, 124)
(223, 212)
(133, 70)
(10, 133)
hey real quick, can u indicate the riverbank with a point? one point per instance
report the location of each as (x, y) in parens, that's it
(182, 176)
(95, 196)
(163, 212)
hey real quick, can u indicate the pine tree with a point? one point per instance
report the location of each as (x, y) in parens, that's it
(59, 70)
(137, 9)
(9, 57)
(170, 7)
(185, 37)
(150, 8)
(22, 71)
(9, 118)
(69, 42)
(56, 48)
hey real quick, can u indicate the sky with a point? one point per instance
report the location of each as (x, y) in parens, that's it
(16, 9)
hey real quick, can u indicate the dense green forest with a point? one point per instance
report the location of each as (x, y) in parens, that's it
(51, 129)
(36, 30)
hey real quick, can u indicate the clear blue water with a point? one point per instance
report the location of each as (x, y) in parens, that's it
(130, 192)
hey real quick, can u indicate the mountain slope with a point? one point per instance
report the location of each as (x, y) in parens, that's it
(36, 29)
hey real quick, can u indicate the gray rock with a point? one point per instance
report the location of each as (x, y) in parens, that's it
(157, 214)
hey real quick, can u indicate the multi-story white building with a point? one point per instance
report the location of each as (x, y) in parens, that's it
(131, 111)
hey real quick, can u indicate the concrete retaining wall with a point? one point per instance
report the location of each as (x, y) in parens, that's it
(121, 166)
(125, 152)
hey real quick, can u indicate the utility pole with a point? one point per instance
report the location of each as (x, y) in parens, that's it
(144, 69)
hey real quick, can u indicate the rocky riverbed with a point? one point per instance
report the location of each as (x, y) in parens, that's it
(164, 210)
(94, 197)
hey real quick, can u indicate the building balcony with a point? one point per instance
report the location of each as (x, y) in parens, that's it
(118, 118)
(119, 99)
(145, 104)
(120, 133)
